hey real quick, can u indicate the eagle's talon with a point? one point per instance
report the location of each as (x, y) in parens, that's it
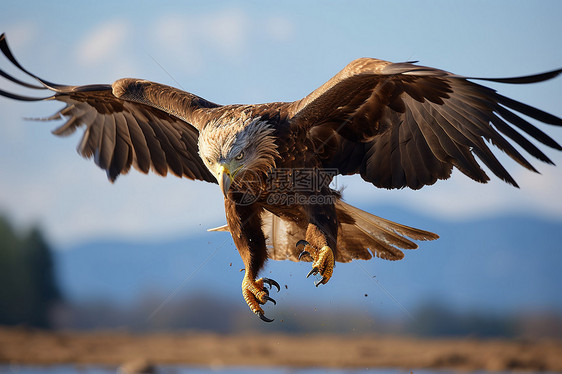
(306, 249)
(264, 318)
(256, 293)
(321, 281)
(302, 242)
(314, 271)
(323, 264)
(267, 298)
(271, 283)
(304, 253)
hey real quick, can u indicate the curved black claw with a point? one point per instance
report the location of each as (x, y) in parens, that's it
(318, 283)
(302, 242)
(314, 271)
(267, 298)
(271, 284)
(264, 318)
(304, 253)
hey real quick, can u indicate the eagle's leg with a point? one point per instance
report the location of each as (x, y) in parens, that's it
(321, 239)
(244, 223)
(255, 293)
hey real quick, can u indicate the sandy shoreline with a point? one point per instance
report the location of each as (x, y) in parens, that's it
(23, 346)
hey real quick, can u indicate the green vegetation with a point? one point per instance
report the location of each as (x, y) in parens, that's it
(28, 289)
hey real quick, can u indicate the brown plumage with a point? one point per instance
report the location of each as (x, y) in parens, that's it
(396, 124)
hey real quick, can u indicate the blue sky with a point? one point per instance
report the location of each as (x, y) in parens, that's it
(247, 52)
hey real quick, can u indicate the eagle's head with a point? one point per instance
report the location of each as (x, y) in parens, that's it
(237, 151)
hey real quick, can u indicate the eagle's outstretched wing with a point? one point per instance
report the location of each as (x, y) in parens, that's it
(404, 125)
(129, 123)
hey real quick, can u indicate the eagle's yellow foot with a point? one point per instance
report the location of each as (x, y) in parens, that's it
(323, 261)
(255, 293)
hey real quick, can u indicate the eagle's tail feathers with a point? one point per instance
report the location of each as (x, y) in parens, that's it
(361, 231)
(361, 236)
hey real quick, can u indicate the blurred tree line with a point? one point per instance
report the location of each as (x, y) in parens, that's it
(28, 289)
(208, 312)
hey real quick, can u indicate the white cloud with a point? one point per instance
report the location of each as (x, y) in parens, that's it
(175, 36)
(190, 37)
(102, 42)
(227, 31)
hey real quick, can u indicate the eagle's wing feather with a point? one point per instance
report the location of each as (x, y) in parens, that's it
(403, 125)
(133, 122)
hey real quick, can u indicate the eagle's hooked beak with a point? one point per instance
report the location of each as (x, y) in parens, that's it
(225, 179)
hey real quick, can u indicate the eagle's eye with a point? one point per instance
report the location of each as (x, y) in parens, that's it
(209, 160)
(240, 156)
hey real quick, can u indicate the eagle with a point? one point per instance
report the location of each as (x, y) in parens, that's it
(397, 125)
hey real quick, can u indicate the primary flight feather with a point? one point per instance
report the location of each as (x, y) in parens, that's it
(396, 124)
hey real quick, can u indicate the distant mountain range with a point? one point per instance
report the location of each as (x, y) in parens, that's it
(500, 265)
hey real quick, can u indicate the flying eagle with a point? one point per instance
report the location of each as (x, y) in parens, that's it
(395, 124)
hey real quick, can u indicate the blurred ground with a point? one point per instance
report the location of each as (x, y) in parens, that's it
(20, 346)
